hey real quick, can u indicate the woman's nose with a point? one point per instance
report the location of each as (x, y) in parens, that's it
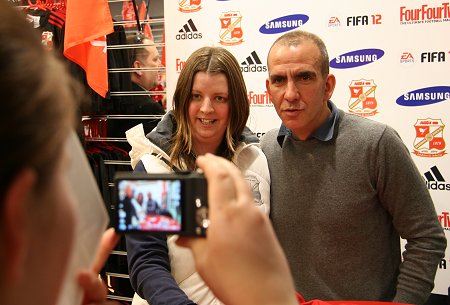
(207, 106)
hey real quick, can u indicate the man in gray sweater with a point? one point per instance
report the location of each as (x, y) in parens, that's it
(344, 189)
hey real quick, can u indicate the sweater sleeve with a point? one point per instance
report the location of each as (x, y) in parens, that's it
(149, 268)
(403, 193)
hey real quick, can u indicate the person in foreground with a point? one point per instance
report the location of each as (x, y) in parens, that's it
(36, 205)
(210, 113)
(359, 189)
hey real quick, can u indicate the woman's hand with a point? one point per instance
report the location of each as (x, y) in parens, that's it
(94, 289)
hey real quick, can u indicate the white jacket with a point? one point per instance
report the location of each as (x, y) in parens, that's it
(253, 164)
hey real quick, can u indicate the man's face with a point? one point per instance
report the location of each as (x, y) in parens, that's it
(297, 88)
(149, 79)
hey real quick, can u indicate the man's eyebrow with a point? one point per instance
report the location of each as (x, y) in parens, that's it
(277, 75)
(306, 73)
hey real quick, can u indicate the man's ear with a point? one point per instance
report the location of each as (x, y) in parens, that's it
(137, 64)
(330, 84)
(268, 88)
(16, 223)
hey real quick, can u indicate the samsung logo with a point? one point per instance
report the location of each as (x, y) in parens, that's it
(425, 96)
(356, 58)
(283, 24)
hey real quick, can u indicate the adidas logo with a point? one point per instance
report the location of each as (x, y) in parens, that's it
(188, 31)
(435, 181)
(253, 64)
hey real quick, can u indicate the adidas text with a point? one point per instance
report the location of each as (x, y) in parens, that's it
(185, 36)
(439, 186)
(253, 68)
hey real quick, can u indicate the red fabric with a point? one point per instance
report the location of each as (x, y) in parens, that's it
(143, 16)
(163, 52)
(299, 298)
(87, 24)
(320, 302)
(129, 15)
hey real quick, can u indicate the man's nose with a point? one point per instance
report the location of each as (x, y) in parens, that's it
(292, 93)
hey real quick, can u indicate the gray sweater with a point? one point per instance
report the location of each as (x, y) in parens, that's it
(339, 208)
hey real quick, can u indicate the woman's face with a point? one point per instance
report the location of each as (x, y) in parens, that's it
(208, 111)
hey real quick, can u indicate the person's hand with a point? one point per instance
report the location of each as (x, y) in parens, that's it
(240, 259)
(94, 289)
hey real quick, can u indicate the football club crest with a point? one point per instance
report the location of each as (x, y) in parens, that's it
(189, 6)
(231, 28)
(47, 40)
(362, 97)
(429, 141)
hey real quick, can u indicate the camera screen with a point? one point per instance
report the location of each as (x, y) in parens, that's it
(149, 205)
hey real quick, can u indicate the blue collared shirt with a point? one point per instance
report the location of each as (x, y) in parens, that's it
(323, 133)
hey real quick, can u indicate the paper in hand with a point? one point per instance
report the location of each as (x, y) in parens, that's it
(92, 220)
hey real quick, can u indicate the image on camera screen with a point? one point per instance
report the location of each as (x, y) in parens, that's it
(149, 205)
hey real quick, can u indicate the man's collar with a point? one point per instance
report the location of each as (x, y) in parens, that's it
(324, 133)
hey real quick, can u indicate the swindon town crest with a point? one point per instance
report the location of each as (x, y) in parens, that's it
(429, 141)
(231, 28)
(189, 6)
(47, 40)
(362, 97)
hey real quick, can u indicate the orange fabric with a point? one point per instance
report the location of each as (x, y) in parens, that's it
(87, 24)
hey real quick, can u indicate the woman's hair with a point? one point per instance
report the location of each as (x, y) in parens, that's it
(212, 60)
(37, 102)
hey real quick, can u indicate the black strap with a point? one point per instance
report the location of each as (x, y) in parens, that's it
(137, 16)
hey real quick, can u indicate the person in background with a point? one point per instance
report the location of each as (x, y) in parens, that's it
(146, 60)
(37, 208)
(359, 190)
(146, 63)
(139, 210)
(210, 114)
(127, 202)
(152, 205)
(163, 209)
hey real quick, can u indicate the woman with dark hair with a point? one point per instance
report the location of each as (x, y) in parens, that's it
(210, 113)
(38, 215)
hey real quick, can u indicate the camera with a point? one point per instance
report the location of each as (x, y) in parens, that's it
(171, 203)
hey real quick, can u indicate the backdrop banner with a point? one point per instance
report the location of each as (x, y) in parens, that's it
(391, 61)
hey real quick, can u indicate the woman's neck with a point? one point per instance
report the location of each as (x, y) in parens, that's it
(202, 149)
